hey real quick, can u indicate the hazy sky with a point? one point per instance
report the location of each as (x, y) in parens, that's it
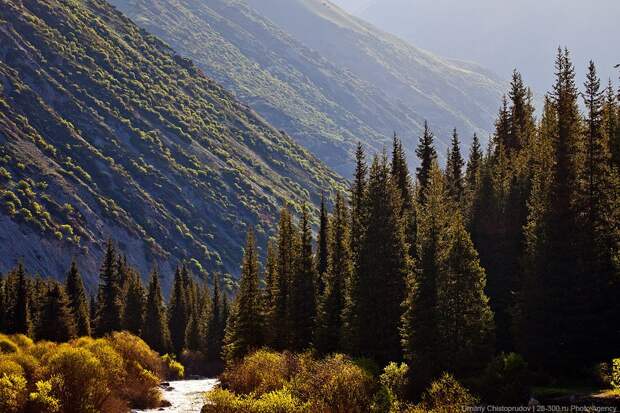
(502, 35)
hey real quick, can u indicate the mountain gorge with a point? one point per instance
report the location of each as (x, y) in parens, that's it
(326, 78)
(106, 132)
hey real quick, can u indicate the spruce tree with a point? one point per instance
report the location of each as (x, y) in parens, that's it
(521, 115)
(503, 126)
(178, 312)
(427, 155)
(286, 267)
(78, 301)
(196, 327)
(340, 265)
(611, 119)
(245, 334)
(454, 170)
(302, 298)
(133, 316)
(404, 188)
(57, 322)
(473, 174)
(217, 322)
(359, 212)
(400, 175)
(110, 299)
(358, 200)
(21, 315)
(464, 317)
(419, 321)
(322, 253)
(270, 292)
(552, 256)
(155, 329)
(383, 267)
(597, 216)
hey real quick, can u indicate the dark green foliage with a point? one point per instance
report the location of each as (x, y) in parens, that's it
(155, 329)
(454, 170)
(110, 296)
(302, 298)
(178, 312)
(359, 213)
(427, 155)
(419, 321)
(217, 321)
(56, 321)
(135, 303)
(270, 292)
(358, 200)
(246, 333)
(78, 301)
(322, 249)
(465, 328)
(21, 314)
(505, 381)
(611, 120)
(195, 335)
(286, 243)
(332, 302)
(404, 188)
(378, 291)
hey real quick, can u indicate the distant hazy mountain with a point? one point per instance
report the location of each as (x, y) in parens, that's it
(504, 35)
(326, 78)
(106, 132)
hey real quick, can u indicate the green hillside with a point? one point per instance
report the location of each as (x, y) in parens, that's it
(106, 132)
(328, 80)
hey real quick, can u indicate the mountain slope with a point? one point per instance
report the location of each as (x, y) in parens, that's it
(504, 35)
(105, 132)
(326, 95)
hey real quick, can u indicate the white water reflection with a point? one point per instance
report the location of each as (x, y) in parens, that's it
(185, 396)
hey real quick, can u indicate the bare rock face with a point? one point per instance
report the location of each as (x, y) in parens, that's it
(106, 133)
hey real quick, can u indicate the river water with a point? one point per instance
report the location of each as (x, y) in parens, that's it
(185, 396)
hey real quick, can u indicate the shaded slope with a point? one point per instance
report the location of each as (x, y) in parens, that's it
(105, 132)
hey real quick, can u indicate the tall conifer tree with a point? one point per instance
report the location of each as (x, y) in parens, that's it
(383, 266)
(332, 303)
(302, 299)
(78, 301)
(464, 318)
(419, 321)
(286, 267)
(217, 321)
(155, 330)
(21, 315)
(178, 312)
(322, 253)
(56, 322)
(246, 333)
(135, 303)
(454, 170)
(427, 155)
(110, 300)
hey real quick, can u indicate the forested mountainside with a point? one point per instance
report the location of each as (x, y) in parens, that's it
(324, 77)
(106, 133)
